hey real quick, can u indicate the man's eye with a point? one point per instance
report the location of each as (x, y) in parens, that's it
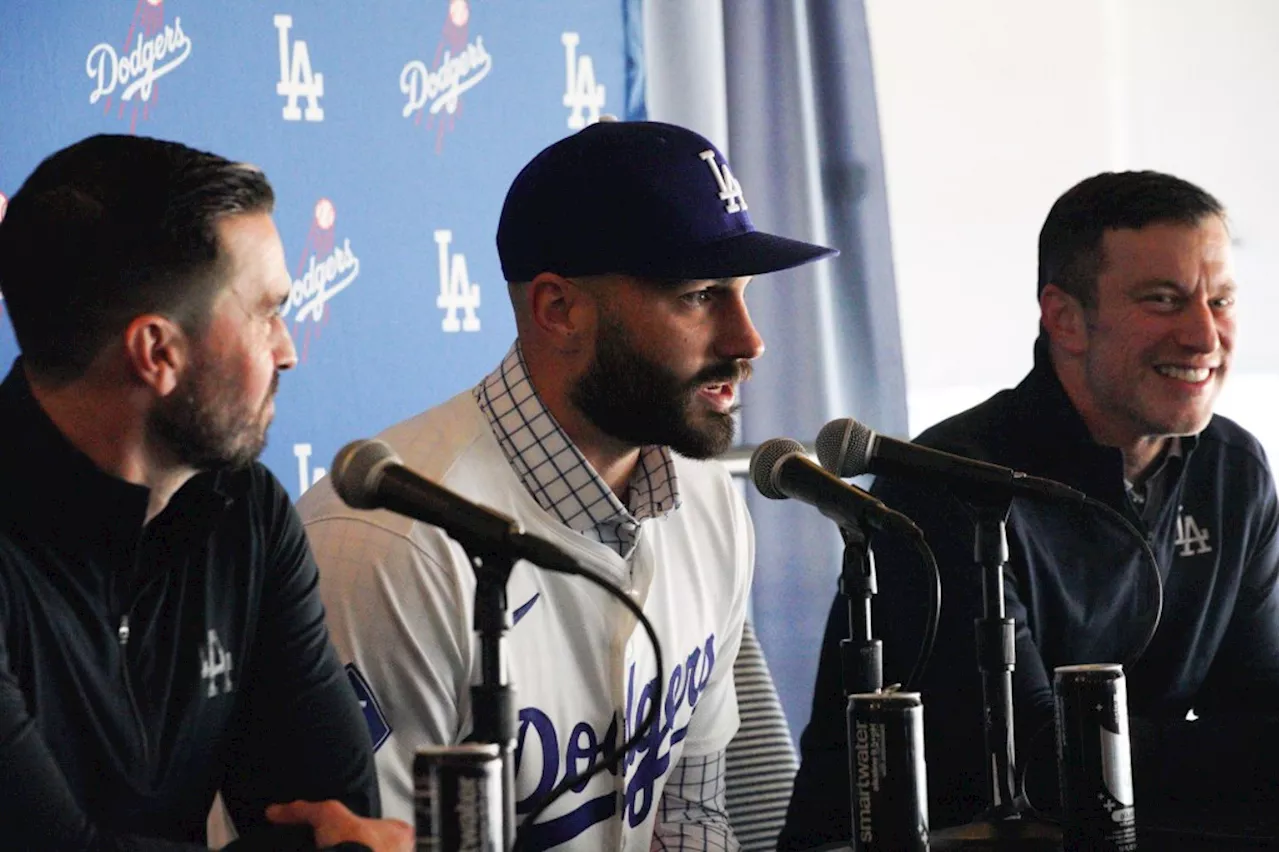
(698, 297)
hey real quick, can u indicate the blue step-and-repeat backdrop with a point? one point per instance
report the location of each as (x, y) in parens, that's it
(390, 131)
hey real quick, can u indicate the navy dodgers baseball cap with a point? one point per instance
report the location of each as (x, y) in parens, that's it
(636, 197)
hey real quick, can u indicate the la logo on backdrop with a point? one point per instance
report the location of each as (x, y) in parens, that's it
(151, 49)
(308, 475)
(457, 291)
(582, 95)
(434, 91)
(324, 270)
(297, 80)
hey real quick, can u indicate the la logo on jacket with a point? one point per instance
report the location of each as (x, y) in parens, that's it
(1192, 539)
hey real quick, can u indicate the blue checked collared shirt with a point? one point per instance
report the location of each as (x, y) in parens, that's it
(557, 474)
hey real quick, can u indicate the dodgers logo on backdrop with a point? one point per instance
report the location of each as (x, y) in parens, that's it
(435, 90)
(582, 94)
(329, 267)
(307, 475)
(296, 77)
(537, 738)
(457, 291)
(150, 50)
(730, 190)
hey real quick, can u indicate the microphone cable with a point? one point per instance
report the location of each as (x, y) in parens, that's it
(1140, 648)
(1157, 604)
(928, 560)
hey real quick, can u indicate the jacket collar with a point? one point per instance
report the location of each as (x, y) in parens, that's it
(56, 487)
(1057, 442)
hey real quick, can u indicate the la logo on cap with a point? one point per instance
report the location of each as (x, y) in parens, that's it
(730, 189)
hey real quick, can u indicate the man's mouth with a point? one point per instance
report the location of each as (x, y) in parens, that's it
(1191, 375)
(721, 395)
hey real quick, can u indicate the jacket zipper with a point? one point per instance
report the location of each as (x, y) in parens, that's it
(122, 634)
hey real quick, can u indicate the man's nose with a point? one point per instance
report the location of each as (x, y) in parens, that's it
(286, 354)
(738, 338)
(1198, 327)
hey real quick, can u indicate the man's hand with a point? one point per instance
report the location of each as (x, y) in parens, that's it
(333, 823)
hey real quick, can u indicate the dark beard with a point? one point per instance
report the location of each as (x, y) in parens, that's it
(206, 426)
(631, 398)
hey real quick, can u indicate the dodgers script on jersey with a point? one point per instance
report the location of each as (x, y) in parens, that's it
(400, 598)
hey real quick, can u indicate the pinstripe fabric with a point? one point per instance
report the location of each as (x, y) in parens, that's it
(761, 761)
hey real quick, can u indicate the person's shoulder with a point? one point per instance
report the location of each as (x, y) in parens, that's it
(978, 432)
(434, 443)
(1224, 440)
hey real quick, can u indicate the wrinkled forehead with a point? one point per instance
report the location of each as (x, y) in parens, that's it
(1178, 251)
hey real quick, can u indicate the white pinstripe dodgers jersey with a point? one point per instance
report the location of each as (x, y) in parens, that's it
(400, 596)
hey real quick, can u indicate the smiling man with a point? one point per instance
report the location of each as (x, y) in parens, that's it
(1137, 308)
(628, 251)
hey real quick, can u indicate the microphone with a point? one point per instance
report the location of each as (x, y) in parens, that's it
(847, 448)
(780, 469)
(367, 474)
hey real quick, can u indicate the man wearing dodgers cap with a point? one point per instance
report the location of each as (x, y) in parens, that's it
(628, 249)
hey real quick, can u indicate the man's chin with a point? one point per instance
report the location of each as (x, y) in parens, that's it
(1177, 427)
(706, 440)
(244, 456)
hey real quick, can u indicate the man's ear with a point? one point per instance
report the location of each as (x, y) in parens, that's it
(158, 351)
(562, 311)
(1063, 317)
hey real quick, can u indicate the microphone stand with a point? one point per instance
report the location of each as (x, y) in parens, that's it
(862, 667)
(1009, 822)
(493, 709)
(861, 660)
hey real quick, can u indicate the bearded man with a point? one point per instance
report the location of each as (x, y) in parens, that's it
(627, 249)
(161, 637)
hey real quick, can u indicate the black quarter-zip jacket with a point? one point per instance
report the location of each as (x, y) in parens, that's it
(144, 668)
(1080, 590)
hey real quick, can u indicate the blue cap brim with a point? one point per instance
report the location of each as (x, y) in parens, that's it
(750, 253)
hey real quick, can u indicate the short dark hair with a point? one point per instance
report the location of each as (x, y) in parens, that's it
(110, 228)
(1071, 239)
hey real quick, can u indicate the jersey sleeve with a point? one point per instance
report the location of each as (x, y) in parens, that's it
(399, 612)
